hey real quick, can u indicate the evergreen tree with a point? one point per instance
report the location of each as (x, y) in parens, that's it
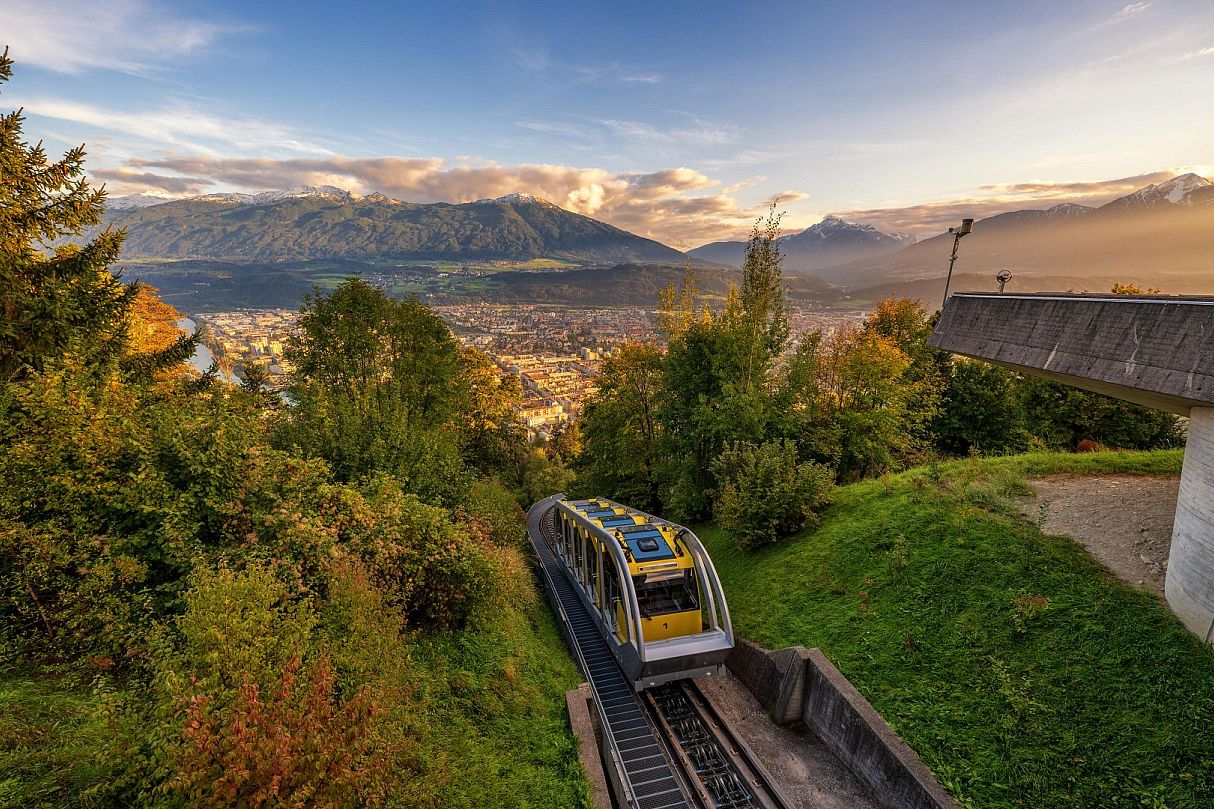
(58, 298)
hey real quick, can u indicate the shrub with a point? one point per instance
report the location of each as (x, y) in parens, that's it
(438, 571)
(495, 508)
(544, 476)
(111, 493)
(764, 494)
(263, 722)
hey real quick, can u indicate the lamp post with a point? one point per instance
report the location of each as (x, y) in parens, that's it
(967, 227)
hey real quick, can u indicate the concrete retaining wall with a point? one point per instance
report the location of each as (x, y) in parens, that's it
(802, 685)
(582, 718)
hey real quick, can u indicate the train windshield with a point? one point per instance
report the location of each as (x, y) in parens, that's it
(664, 593)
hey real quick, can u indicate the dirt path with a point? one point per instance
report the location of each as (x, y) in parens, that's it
(1124, 521)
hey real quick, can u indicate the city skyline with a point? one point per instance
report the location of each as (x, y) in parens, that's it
(674, 126)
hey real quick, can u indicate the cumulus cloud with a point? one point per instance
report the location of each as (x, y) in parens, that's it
(128, 180)
(678, 206)
(132, 36)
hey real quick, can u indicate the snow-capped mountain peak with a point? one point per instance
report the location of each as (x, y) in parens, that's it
(223, 196)
(1067, 210)
(1177, 188)
(833, 228)
(517, 198)
(1170, 192)
(141, 200)
(326, 191)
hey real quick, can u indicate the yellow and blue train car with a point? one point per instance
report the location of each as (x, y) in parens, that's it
(650, 587)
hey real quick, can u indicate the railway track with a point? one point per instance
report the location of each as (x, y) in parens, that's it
(718, 769)
(667, 747)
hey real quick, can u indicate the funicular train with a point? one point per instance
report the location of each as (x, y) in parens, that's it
(650, 587)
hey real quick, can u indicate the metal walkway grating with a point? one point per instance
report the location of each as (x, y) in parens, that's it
(645, 764)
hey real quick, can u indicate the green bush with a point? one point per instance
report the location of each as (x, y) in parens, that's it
(438, 571)
(111, 495)
(496, 510)
(764, 494)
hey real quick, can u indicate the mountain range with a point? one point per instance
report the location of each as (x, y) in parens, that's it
(1161, 235)
(310, 223)
(832, 241)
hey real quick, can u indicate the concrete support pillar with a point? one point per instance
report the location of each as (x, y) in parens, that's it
(1189, 586)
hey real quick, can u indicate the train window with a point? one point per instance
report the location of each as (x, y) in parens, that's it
(611, 591)
(664, 593)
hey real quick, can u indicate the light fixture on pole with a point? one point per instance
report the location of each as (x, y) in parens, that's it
(967, 227)
(1003, 277)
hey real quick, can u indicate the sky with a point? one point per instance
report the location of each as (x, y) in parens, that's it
(680, 121)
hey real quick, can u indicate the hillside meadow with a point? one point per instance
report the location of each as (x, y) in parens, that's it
(1021, 671)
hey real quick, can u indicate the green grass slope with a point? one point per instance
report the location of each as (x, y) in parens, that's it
(1021, 671)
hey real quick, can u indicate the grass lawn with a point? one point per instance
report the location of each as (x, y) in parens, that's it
(1022, 672)
(52, 740)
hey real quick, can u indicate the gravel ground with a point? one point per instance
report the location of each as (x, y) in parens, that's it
(1124, 521)
(808, 774)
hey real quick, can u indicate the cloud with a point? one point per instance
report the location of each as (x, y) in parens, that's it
(131, 36)
(1103, 190)
(557, 128)
(700, 133)
(679, 206)
(178, 124)
(128, 180)
(696, 132)
(784, 198)
(1197, 54)
(534, 58)
(1128, 11)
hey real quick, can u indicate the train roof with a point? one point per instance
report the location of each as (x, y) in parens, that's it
(648, 540)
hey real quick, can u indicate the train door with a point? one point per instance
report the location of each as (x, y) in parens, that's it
(613, 599)
(579, 553)
(592, 570)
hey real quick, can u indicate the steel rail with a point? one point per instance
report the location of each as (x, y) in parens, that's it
(719, 768)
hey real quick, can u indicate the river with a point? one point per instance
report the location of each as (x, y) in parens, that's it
(203, 357)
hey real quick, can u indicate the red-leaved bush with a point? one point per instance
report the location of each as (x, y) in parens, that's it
(299, 746)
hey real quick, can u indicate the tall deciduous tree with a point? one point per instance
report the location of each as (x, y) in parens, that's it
(621, 433)
(716, 373)
(378, 386)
